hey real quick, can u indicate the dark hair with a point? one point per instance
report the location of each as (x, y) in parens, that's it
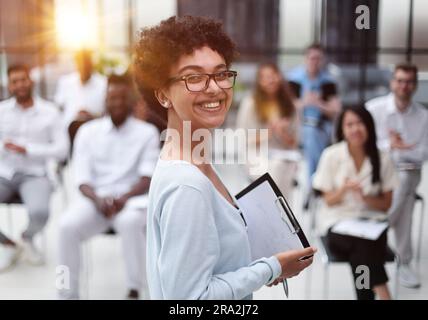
(120, 79)
(314, 46)
(370, 146)
(159, 47)
(18, 67)
(283, 96)
(408, 67)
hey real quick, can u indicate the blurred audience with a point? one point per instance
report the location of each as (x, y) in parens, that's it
(402, 129)
(113, 161)
(356, 180)
(271, 107)
(318, 105)
(30, 135)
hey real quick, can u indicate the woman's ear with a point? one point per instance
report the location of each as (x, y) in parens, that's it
(162, 98)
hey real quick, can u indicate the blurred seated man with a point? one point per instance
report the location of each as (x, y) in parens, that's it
(30, 135)
(113, 161)
(81, 94)
(402, 129)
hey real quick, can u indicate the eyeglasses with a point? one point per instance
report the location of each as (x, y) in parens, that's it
(402, 81)
(200, 82)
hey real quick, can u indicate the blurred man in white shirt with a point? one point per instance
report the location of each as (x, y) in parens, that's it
(113, 161)
(81, 94)
(402, 128)
(30, 135)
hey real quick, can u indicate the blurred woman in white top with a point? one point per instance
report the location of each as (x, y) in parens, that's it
(270, 106)
(356, 180)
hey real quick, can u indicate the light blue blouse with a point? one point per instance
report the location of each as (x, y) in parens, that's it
(197, 244)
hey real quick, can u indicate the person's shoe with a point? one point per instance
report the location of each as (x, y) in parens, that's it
(133, 295)
(408, 278)
(31, 254)
(8, 256)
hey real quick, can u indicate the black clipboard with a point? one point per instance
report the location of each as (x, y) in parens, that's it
(290, 223)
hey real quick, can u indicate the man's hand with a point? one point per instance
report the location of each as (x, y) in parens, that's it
(397, 142)
(312, 99)
(106, 206)
(119, 203)
(84, 115)
(15, 148)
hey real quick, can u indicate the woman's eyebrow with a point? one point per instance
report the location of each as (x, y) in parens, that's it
(199, 68)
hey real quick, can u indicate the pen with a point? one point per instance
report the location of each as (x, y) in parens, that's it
(285, 285)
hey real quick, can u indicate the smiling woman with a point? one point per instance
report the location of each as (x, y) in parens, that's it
(197, 244)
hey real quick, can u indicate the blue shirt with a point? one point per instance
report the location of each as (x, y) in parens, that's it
(300, 76)
(197, 243)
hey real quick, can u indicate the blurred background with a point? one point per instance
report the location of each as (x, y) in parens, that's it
(45, 33)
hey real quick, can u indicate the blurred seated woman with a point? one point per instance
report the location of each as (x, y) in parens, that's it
(356, 180)
(271, 107)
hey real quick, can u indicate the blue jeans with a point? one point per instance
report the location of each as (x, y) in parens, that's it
(315, 140)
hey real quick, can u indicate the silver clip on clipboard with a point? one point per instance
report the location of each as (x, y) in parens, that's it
(291, 223)
(289, 220)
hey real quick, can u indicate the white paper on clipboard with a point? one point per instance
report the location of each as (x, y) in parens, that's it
(361, 228)
(270, 230)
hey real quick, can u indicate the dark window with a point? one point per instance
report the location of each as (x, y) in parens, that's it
(253, 24)
(343, 41)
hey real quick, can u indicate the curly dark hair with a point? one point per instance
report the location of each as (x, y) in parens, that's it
(159, 47)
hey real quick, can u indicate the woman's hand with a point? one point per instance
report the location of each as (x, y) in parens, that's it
(283, 129)
(335, 197)
(351, 185)
(292, 263)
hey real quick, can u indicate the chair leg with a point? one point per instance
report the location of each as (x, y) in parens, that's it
(326, 280)
(10, 220)
(396, 276)
(421, 228)
(44, 245)
(308, 283)
(85, 270)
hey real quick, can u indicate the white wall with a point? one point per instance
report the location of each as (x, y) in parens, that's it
(296, 30)
(393, 15)
(150, 12)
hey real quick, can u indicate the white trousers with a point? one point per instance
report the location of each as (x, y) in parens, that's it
(82, 221)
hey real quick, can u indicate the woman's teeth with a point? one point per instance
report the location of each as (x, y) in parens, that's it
(211, 105)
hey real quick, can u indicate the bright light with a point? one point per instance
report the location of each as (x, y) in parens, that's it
(75, 29)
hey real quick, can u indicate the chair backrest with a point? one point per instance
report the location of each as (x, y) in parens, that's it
(16, 199)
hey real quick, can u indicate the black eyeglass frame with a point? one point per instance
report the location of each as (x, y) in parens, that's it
(210, 76)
